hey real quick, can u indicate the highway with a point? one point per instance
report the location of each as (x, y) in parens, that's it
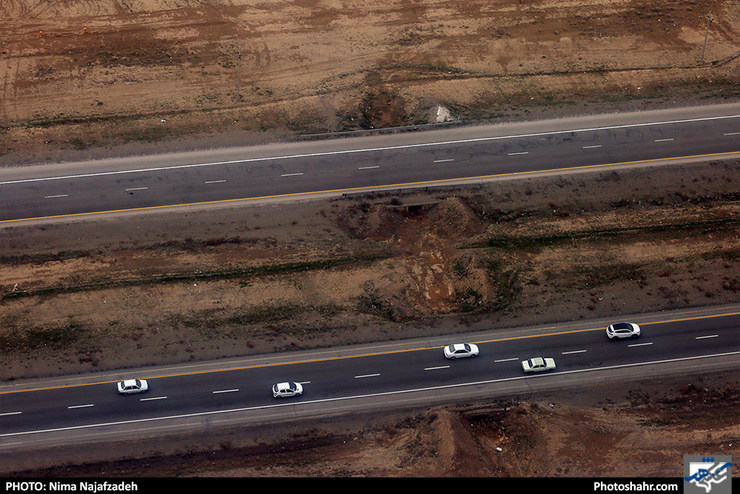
(363, 378)
(347, 165)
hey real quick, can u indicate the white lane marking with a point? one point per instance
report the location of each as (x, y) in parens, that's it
(732, 133)
(443, 161)
(234, 390)
(368, 150)
(215, 181)
(81, 406)
(365, 396)
(573, 351)
(290, 174)
(368, 167)
(55, 196)
(518, 154)
(10, 413)
(437, 368)
(505, 360)
(594, 146)
(155, 398)
(663, 140)
(366, 375)
(136, 188)
(707, 336)
(641, 344)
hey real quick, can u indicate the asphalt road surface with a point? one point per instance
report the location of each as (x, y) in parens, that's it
(363, 378)
(347, 165)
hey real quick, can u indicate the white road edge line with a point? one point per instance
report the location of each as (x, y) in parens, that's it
(372, 149)
(371, 395)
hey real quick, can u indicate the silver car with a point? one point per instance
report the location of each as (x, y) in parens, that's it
(460, 350)
(538, 364)
(623, 330)
(131, 386)
(287, 389)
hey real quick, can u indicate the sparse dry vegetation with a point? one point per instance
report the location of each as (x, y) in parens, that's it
(87, 79)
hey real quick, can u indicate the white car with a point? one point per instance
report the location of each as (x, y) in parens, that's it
(131, 386)
(538, 364)
(623, 330)
(286, 389)
(460, 350)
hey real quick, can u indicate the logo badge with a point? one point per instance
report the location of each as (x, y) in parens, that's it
(707, 474)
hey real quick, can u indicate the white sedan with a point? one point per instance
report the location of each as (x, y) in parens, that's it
(538, 364)
(131, 386)
(623, 330)
(460, 350)
(286, 389)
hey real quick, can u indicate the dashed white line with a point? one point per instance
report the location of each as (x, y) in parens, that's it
(437, 368)
(215, 181)
(366, 375)
(88, 405)
(290, 174)
(505, 360)
(573, 351)
(226, 391)
(10, 413)
(732, 133)
(136, 188)
(443, 161)
(641, 344)
(372, 149)
(518, 154)
(707, 336)
(55, 196)
(368, 167)
(155, 398)
(594, 146)
(663, 140)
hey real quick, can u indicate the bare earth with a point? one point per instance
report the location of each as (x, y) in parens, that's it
(85, 79)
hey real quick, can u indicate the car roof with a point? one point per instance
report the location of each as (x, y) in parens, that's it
(622, 325)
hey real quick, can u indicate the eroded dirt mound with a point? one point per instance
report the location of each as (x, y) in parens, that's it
(269, 278)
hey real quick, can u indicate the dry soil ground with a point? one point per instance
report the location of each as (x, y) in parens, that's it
(84, 79)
